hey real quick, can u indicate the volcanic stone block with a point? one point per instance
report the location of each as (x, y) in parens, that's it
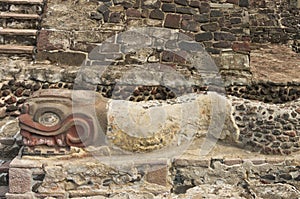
(235, 20)
(236, 2)
(216, 13)
(206, 36)
(19, 180)
(224, 36)
(115, 17)
(185, 10)
(96, 16)
(204, 7)
(202, 18)
(156, 14)
(244, 3)
(172, 21)
(241, 47)
(195, 4)
(190, 25)
(222, 44)
(168, 56)
(190, 46)
(158, 175)
(167, 7)
(213, 50)
(102, 9)
(211, 27)
(181, 2)
(131, 12)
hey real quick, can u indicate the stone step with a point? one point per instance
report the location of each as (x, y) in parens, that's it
(14, 49)
(20, 24)
(21, 8)
(19, 40)
(24, 32)
(7, 15)
(32, 2)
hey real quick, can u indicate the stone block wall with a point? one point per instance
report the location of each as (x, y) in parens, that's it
(71, 30)
(222, 176)
(274, 21)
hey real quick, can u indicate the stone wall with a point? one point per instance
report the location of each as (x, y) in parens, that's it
(222, 28)
(268, 128)
(222, 175)
(274, 21)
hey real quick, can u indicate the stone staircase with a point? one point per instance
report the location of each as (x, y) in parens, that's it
(20, 24)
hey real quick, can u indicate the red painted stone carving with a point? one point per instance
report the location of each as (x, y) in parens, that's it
(56, 118)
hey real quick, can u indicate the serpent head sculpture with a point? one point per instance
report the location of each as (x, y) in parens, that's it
(48, 119)
(63, 118)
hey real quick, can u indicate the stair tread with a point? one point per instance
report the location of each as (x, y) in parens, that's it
(19, 16)
(22, 1)
(16, 49)
(11, 31)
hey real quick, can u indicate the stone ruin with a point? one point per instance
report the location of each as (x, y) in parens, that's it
(149, 99)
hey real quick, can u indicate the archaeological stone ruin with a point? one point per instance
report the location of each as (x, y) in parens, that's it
(150, 99)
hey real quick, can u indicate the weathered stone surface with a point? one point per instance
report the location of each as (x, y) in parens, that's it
(115, 17)
(216, 13)
(190, 25)
(53, 40)
(172, 21)
(181, 2)
(222, 44)
(204, 36)
(158, 175)
(66, 58)
(58, 15)
(211, 27)
(241, 47)
(235, 61)
(19, 180)
(9, 129)
(204, 7)
(195, 3)
(185, 10)
(156, 14)
(244, 3)
(224, 36)
(19, 196)
(166, 7)
(163, 131)
(202, 18)
(96, 16)
(2, 112)
(152, 4)
(236, 2)
(131, 12)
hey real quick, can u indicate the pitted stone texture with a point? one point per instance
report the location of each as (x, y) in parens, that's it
(268, 92)
(268, 128)
(19, 180)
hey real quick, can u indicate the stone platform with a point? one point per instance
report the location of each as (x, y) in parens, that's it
(226, 172)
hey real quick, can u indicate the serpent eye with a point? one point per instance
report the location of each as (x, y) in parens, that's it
(49, 119)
